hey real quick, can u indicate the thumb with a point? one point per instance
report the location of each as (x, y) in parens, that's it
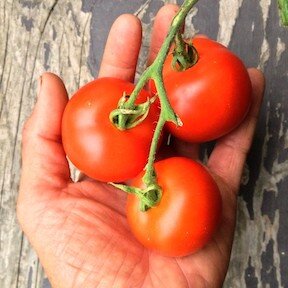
(43, 159)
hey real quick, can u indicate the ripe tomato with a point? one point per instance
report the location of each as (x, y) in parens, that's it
(188, 213)
(212, 97)
(93, 144)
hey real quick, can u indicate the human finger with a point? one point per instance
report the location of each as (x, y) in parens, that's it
(185, 149)
(161, 26)
(229, 155)
(43, 157)
(122, 48)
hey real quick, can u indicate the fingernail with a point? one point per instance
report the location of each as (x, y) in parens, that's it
(39, 85)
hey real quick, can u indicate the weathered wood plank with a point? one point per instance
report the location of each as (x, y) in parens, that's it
(68, 37)
(31, 31)
(261, 214)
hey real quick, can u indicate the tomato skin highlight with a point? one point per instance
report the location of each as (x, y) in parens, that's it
(93, 144)
(188, 214)
(212, 97)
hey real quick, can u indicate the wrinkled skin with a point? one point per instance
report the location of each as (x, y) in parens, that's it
(79, 230)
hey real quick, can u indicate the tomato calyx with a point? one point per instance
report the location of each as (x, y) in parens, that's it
(149, 197)
(184, 54)
(127, 116)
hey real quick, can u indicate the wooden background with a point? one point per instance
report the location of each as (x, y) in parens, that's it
(67, 38)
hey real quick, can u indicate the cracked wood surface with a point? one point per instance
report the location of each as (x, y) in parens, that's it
(68, 37)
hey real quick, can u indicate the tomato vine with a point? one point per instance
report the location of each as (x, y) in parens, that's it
(152, 194)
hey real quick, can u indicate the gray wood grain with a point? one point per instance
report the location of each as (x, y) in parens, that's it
(68, 37)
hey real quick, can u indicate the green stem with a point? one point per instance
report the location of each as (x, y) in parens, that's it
(184, 55)
(158, 63)
(166, 114)
(153, 191)
(150, 175)
(179, 43)
(139, 86)
(283, 9)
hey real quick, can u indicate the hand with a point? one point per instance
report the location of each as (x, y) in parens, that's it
(79, 230)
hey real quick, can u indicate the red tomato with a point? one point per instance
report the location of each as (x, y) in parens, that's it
(188, 213)
(93, 144)
(212, 97)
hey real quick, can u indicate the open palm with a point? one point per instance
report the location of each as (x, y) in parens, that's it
(79, 230)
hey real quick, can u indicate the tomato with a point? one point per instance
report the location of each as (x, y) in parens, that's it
(93, 144)
(188, 213)
(212, 97)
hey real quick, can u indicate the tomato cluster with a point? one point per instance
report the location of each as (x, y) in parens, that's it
(211, 98)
